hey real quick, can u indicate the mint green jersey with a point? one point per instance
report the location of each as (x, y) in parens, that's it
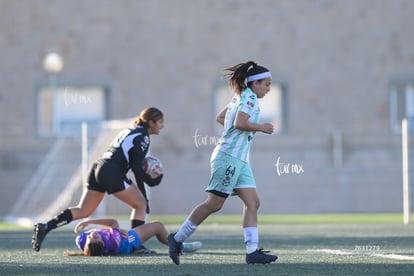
(233, 141)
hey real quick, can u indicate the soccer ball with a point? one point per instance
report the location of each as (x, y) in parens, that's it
(152, 166)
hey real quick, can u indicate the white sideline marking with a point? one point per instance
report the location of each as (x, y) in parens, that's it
(332, 251)
(395, 257)
(350, 253)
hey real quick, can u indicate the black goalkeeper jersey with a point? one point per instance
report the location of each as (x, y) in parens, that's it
(129, 149)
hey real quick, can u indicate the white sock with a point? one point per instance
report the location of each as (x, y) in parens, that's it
(185, 231)
(251, 239)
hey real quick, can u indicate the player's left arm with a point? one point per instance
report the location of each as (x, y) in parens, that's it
(246, 108)
(123, 232)
(242, 122)
(112, 223)
(140, 175)
(136, 156)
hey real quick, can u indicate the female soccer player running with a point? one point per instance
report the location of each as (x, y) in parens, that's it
(230, 171)
(109, 175)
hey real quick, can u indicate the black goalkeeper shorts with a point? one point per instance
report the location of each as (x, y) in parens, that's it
(107, 176)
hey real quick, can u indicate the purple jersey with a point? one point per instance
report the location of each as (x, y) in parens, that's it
(111, 238)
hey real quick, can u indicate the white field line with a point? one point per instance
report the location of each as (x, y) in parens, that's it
(369, 254)
(395, 257)
(332, 251)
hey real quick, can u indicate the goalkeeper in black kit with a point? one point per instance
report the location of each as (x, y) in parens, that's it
(109, 175)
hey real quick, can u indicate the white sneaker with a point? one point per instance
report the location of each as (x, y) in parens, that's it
(191, 246)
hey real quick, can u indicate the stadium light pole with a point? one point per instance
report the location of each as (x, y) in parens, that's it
(53, 64)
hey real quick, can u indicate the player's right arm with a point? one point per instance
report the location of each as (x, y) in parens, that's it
(221, 116)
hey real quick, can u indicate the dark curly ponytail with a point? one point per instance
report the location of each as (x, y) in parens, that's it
(239, 73)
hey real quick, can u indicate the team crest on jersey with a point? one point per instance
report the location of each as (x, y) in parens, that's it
(226, 181)
(145, 143)
(249, 103)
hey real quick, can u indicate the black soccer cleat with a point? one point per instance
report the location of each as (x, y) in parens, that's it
(39, 234)
(175, 249)
(260, 257)
(142, 250)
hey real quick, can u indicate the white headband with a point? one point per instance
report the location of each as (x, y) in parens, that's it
(259, 76)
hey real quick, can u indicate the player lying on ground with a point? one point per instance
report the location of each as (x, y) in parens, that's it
(113, 240)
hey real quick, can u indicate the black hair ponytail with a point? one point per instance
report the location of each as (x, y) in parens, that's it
(238, 74)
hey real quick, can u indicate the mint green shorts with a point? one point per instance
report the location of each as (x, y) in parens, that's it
(229, 173)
